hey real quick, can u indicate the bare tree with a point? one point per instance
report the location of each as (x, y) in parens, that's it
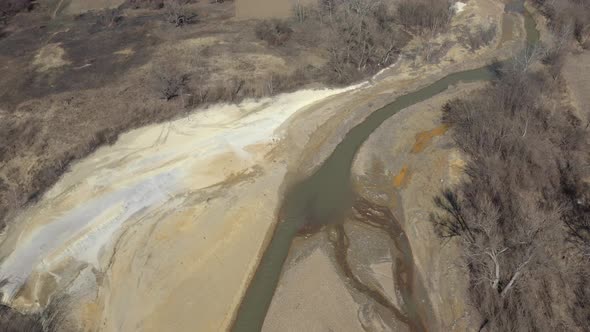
(529, 55)
(169, 79)
(555, 52)
(481, 36)
(362, 37)
(425, 16)
(516, 230)
(574, 13)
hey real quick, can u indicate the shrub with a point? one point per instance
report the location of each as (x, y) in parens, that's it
(425, 16)
(480, 37)
(169, 81)
(569, 13)
(521, 213)
(362, 38)
(274, 32)
(433, 52)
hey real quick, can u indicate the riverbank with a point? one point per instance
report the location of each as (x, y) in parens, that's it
(393, 169)
(166, 186)
(449, 311)
(281, 320)
(171, 232)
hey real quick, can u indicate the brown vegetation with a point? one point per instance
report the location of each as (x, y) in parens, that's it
(480, 37)
(169, 79)
(361, 37)
(568, 14)
(274, 32)
(122, 68)
(521, 215)
(11, 7)
(425, 16)
(13, 321)
(109, 18)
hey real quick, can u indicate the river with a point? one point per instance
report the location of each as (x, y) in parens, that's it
(327, 195)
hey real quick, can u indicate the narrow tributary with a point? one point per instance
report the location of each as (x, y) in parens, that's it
(327, 195)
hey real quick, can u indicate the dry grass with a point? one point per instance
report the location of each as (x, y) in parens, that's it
(60, 102)
(105, 72)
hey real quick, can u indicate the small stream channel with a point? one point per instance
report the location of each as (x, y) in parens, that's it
(327, 195)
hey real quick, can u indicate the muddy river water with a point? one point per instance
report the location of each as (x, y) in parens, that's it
(327, 195)
(161, 231)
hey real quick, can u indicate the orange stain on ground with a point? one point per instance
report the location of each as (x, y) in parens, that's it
(424, 138)
(402, 178)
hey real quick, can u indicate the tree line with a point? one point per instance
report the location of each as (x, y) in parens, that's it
(522, 212)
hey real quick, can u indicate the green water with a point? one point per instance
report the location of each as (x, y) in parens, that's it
(326, 195)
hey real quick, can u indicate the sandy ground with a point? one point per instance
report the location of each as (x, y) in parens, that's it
(425, 170)
(306, 301)
(163, 186)
(164, 228)
(418, 160)
(315, 295)
(302, 293)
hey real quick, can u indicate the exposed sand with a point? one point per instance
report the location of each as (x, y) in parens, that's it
(411, 151)
(49, 57)
(317, 301)
(303, 296)
(170, 221)
(434, 167)
(314, 295)
(459, 6)
(153, 210)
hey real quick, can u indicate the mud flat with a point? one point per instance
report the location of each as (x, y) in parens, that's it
(372, 255)
(408, 156)
(164, 229)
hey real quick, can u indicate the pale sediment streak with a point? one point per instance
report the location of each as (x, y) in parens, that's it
(83, 214)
